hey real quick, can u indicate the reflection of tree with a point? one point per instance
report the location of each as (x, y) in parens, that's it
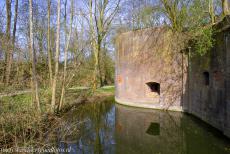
(94, 127)
(98, 116)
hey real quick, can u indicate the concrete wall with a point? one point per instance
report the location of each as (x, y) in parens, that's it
(211, 102)
(227, 90)
(144, 56)
(149, 56)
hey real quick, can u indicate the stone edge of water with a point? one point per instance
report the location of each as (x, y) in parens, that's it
(148, 106)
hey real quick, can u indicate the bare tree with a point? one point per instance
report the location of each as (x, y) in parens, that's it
(98, 31)
(9, 54)
(66, 51)
(211, 11)
(31, 47)
(15, 21)
(15, 27)
(48, 45)
(173, 12)
(54, 85)
(9, 51)
(93, 44)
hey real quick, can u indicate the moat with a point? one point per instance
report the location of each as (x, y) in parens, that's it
(111, 128)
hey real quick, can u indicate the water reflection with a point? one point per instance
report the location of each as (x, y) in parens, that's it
(163, 133)
(154, 129)
(167, 133)
(95, 131)
(108, 128)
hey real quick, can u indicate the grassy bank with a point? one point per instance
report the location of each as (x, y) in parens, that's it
(22, 125)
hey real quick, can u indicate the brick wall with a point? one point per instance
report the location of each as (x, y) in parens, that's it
(210, 102)
(145, 56)
(199, 85)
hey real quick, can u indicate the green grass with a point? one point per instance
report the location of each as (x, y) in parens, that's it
(23, 102)
(18, 102)
(15, 103)
(19, 116)
(79, 88)
(106, 89)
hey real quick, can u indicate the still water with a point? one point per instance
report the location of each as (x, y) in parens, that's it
(110, 128)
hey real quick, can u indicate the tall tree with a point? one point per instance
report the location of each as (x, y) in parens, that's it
(54, 85)
(175, 12)
(225, 7)
(211, 11)
(15, 28)
(48, 45)
(66, 50)
(15, 20)
(31, 47)
(9, 51)
(93, 44)
(98, 31)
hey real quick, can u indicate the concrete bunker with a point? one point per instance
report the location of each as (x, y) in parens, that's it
(144, 78)
(189, 82)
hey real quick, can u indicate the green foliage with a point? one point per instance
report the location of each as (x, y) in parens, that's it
(198, 23)
(191, 19)
(204, 42)
(197, 15)
(146, 16)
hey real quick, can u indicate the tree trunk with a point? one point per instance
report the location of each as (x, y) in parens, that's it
(102, 25)
(34, 74)
(99, 64)
(211, 11)
(225, 7)
(14, 33)
(8, 50)
(170, 8)
(56, 58)
(93, 44)
(105, 82)
(100, 30)
(15, 27)
(48, 44)
(65, 52)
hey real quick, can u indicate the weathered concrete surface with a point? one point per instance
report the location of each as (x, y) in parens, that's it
(196, 84)
(144, 56)
(211, 102)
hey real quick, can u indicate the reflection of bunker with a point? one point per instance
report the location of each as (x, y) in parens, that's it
(147, 131)
(171, 133)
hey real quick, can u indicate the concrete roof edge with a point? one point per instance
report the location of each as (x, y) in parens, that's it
(223, 24)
